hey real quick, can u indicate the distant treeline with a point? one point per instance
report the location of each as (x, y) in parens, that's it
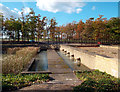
(32, 27)
(27, 27)
(93, 29)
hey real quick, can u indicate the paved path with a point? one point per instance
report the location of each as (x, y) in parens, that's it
(62, 76)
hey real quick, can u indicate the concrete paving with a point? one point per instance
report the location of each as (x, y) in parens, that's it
(60, 71)
(63, 78)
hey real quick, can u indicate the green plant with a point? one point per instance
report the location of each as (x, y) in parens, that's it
(13, 82)
(96, 81)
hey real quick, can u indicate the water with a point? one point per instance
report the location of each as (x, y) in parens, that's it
(41, 62)
(71, 62)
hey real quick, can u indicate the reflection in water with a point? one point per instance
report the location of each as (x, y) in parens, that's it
(41, 62)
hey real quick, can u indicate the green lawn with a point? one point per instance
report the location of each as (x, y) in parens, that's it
(96, 81)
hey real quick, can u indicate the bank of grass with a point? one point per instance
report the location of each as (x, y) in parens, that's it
(17, 59)
(12, 82)
(96, 81)
(14, 61)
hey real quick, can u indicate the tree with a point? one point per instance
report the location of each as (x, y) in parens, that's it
(53, 24)
(17, 27)
(23, 25)
(80, 28)
(113, 26)
(32, 22)
(41, 27)
(87, 33)
(99, 28)
(9, 27)
(1, 24)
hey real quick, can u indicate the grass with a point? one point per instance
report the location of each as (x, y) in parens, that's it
(13, 82)
(96, 81)
(14, 61)
(17, 59)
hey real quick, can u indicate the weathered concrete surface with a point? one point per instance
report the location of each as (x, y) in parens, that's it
(61, 72)
(95, 61)
(114, 46)
(104, 51)
(63, 78)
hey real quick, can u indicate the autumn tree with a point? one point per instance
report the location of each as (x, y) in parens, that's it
(32, 21)
(99, 28)
(23, 25)
(53, 24)
(87, 33)
(41, 32)
(80, 28)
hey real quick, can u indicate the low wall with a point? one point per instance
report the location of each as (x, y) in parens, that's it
(94, 61)
(105, 46)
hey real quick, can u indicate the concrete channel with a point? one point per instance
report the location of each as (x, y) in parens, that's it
(62, 75)
(93, 60)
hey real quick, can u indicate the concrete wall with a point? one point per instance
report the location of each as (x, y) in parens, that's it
(94, 61)
(105, 46)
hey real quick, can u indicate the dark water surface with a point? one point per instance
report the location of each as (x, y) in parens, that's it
(41, 62)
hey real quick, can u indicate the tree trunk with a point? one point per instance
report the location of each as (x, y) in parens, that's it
(18, 36)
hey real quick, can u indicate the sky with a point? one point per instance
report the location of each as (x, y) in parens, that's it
(64, 12)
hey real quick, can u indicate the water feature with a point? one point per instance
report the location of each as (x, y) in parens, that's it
(71, 62)
(41, 62)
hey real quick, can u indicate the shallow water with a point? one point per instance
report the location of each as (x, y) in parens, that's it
(41, 63)
(71, 62)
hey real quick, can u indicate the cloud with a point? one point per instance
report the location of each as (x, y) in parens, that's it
(16, 9)
(7, 13)
(93, 8)
(78, 10)
(26, 10)
(54, 6)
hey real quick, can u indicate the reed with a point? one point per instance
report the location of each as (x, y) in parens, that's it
(19, 60)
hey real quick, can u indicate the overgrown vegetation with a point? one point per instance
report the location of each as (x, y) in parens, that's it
(14, 82)
(17, 59)
(96, 81)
